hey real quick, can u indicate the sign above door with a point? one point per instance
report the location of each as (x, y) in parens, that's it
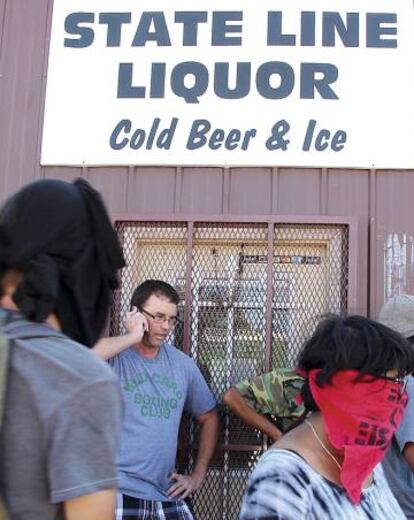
(320, 83)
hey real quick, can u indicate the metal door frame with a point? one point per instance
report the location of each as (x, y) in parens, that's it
(270, 220)
(191, 221)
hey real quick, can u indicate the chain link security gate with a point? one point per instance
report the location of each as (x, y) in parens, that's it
(250, 294)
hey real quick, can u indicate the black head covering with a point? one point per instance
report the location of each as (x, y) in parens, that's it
(60, 237)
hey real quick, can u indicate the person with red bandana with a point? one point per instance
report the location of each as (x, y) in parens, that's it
(327, 467)
(398, 313)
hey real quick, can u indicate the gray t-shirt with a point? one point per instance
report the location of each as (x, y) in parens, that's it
(399, 474)
(156, 392)
(60, 429)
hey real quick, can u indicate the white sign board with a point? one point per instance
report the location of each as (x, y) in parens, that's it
(224, 82)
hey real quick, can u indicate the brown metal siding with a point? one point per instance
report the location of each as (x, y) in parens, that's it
(380, 199)
(23, 42)
(394, 214)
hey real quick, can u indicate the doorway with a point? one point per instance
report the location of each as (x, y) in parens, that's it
(250, 294)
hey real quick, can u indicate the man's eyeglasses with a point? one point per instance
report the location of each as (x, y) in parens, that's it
(401, 380)
(161, 318)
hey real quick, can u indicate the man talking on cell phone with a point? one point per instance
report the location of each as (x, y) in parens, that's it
(159, 383)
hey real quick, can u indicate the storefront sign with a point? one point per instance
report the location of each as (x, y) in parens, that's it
(310, 83)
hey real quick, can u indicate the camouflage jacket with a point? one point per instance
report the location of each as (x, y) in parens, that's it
(275, 393)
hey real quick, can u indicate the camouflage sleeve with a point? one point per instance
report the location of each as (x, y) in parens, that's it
(264, 393)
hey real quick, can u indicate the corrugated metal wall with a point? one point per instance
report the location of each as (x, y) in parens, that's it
(381, 200)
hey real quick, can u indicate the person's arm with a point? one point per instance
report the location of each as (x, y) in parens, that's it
(405, 433)
(186, 484)
(240, 407)
(135, 324)
(82, 442)
(95, 506)
(408, 453)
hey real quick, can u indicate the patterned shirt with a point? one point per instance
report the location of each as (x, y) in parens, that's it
(275, 393)
(284, 487)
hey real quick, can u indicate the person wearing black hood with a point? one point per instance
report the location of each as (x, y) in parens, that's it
(59, 257)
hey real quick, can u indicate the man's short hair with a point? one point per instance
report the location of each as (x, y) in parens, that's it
(158, 288)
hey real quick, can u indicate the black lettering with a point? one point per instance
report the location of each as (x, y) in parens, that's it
(179, 74)
(220, 28)
(165, 138)
(333, 23)
(322, 140)
(159, 34)
(114, 22)
(375, 30)
(157, 80)
(338, 140)
(307, 29)
(275, 34)
(221, 81)
(309, 82)
(190, 21)
(197, 138)
(278, 68)
(72, 26)
(125, 87)
(122, 126)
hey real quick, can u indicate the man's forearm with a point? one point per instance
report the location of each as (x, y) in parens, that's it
(238, 405)
(107, 348)
(209, 425)
(135, 325)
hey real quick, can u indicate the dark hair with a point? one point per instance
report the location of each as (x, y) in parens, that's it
(410, 340)
(150, 287)
(353, 343)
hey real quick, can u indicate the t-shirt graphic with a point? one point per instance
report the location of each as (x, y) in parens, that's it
(156, 392)
(150, 404)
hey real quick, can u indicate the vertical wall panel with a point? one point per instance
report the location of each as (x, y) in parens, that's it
(112, 185)
(2, 25)
(250, 191)
(21, 91)
(381, 200)
(64, 173)
(201, 191)
(395, 235)
(347, 195)
(151, 190)
(298, 192)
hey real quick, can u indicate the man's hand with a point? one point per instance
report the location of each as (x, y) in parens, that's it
(184, 485)
(136, 325)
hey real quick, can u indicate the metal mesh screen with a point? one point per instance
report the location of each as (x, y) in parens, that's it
(310, 278)
(233, 294)
(152, 251)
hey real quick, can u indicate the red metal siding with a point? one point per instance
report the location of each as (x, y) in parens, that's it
(23, 53)
(381, 200)
(299, 191)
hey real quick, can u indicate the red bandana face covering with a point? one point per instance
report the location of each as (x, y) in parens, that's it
(361, 418)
